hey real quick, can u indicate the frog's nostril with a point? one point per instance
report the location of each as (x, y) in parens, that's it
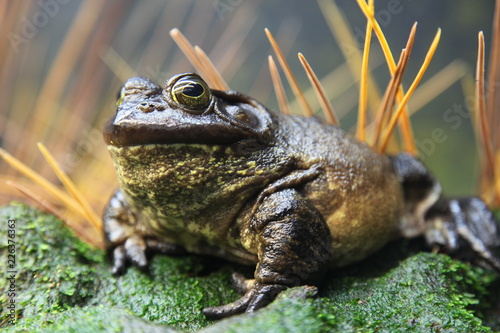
(147, 107)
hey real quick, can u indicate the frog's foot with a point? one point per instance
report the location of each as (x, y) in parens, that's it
(464, 225)
(259, 296)
(125, 242)
(135, 250)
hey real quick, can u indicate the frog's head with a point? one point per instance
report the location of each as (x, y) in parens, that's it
(185, 146)
(185, 111)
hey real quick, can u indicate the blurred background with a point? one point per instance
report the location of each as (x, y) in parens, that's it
(64, 61)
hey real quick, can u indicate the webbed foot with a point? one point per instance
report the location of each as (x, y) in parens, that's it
(464, 225)
(135, 249)
(125, 242)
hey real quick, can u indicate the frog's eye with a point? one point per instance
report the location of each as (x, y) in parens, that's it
(121, 95)
(192, 93)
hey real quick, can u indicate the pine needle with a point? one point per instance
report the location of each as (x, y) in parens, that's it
(497, 179)
(402, 104)
(289, 75)
(117, 64)
(51, 189)
(387, 104)
(494, 73)
(408, 139)
(49, 208)
(363, 82)
(439, 82)
(220, 83)
(278, 87)
(188, 50)
(63, 64)
(75, 193)
(326, 106)
(44, 204)
(342, 32)
(199, 60)
(481, 108)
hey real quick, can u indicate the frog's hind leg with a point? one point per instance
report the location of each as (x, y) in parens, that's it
(460, 226)
(421, 191)
(464, 226)
(126, 243)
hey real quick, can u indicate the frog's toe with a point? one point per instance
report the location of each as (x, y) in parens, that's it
(135, 248)
(242, 284)
(119, 260)
(132, 251)
(257, 297)
(464, 225)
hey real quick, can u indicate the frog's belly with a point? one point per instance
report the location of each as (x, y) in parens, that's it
(177, 231)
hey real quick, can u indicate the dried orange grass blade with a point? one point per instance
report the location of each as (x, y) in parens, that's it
(402, 104)
(408, 138)
(188, 50)
(203, 66)
(363, 82)
(63, 65)
(326, 106)
(411, 38)
(497, 179)
(494, 71)
(342, 33)
(278, 87)
(42, 182)
(216, 76)
(46, 206)
(394, 90)
(405, 124)
(89, 212)
(117, 64)
(289, 75)
(439, 82)
(387, 104)
(370, 15)
(481, 108)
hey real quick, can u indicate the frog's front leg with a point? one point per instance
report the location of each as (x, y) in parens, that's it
(125, 240)
(294, 245)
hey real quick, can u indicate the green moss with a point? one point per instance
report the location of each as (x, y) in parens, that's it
(63, 285)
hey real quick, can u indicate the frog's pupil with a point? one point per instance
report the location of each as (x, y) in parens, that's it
(193, 90)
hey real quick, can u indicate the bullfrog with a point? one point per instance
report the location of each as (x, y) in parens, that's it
(216, 173)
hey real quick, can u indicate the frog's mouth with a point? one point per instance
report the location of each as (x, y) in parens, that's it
(122, 132)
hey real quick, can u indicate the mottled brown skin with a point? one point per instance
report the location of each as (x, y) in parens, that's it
(214, 172)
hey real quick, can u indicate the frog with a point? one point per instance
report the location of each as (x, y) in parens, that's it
(212, 172)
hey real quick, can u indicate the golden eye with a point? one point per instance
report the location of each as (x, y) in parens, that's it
(120, 96)
(191, 92)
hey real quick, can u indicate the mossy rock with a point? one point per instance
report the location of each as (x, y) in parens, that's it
(63, 285)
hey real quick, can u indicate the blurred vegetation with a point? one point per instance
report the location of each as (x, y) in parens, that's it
(62, 285)
(231, 32)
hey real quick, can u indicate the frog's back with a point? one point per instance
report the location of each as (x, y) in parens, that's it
(357, 193)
